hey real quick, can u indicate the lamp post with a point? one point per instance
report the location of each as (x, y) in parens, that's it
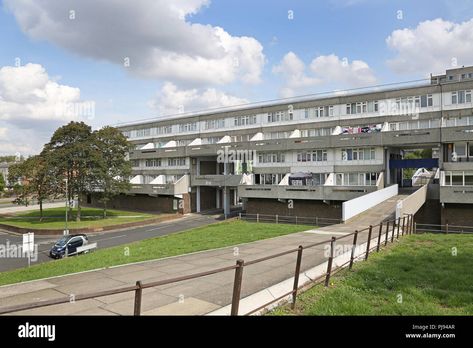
(66, 231)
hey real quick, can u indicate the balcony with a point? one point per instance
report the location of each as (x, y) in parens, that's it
(336, 193)
(456, 194)
(429, 135)
(180, 187)
(455, 134)
(216, 180)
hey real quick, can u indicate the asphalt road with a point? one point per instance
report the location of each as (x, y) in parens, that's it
(103, 239)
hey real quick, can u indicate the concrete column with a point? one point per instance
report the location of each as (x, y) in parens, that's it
(198, 168)
(226, 201)
(198, 198)
(218, 198)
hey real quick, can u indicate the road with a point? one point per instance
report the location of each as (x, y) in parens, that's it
(103, 239)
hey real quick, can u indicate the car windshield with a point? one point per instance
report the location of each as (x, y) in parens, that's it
(62, 241)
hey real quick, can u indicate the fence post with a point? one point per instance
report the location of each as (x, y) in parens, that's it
(368, 242)
(138, 295)
(403, 226)
(257, 217)
(379, 235)
(446, 228)
(296, 276)
(316, 221)
(330, 261)
(415, 227)
(387, 234)
(355, 237)
(237, 287)
(239, 216)
(296, 219)
(398, 224)
(409, 223)
(277, 218)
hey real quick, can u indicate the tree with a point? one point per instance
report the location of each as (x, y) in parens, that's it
(113, 170)
(37, 181)
(73, 156)
(2, 183)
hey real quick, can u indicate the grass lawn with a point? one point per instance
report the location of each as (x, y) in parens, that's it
(419, 276)
(203, 238)
(54, 218)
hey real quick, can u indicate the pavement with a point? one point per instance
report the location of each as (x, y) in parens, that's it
(207, 295)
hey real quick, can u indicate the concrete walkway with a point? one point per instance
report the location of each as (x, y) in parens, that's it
(198, 296)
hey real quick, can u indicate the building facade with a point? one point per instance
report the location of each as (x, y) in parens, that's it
(306, 156)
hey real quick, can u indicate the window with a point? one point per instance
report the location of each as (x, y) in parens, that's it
(461, 97)
(271, 157)
(183, 142)
(460, 149)
(188, 127)
(135, 163)
(214, 124)
(164, 130)
(278, 116)
(373, 106)
(178, 161)
(152, 163)
(358, 154)
(306, 113)
(143, 132)
(245, 120)
(426, 100)
(324, 111)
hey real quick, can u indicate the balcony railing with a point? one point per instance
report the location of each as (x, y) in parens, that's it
(216, 180)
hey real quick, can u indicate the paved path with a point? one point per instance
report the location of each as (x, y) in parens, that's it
(197, 296)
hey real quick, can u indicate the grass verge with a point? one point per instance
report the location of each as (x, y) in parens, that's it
(428, 274)
(203, 238)
(54, 218)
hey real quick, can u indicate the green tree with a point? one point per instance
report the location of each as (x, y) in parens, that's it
(72, 155)
(2, 183)
(21, 188)
(37, 181)
(113, 169)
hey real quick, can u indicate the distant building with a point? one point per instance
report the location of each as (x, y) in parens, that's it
(4, 170)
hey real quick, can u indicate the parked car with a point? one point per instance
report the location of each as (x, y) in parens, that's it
(71, 242)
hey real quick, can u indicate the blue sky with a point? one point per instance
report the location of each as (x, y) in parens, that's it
(284, 55)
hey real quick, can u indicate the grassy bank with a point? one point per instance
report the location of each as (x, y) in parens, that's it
(203, 238)
(419, 276)
(54, 218)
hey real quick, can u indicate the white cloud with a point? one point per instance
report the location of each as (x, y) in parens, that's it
(171, 100)
(32, 106)
(155, 35)
(28, 94)
(431, 47)
(293, 69)
(332, 68)
(328, 71)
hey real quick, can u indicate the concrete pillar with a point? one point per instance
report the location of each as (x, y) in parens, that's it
(217, 191)
(198, 167)
(198, 199)
(226, 201)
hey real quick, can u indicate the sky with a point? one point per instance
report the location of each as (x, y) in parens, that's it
(107, 62)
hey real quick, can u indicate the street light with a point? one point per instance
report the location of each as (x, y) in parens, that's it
(66, 231)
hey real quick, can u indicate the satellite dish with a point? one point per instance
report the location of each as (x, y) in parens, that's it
(454, 156)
